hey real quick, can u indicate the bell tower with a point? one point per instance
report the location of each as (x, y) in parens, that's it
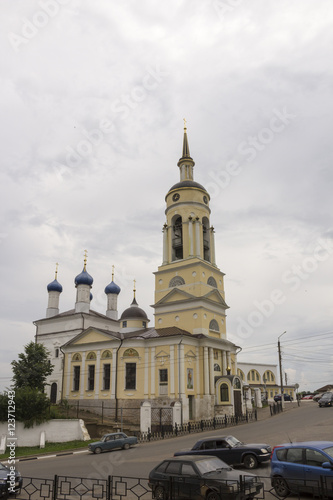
(189, 287)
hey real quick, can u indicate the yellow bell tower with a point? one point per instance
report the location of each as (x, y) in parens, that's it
(189, 288)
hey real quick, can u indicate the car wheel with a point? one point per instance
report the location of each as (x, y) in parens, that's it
(126, 446)
(250, 462)
(213, 495)
(98, 450)
(280, 486)
(160, 493)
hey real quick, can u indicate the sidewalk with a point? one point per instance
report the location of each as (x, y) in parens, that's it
(264, 413)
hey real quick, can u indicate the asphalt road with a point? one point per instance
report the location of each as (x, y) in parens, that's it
(304, 423)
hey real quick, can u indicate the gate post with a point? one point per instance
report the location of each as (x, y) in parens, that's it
(145, 416)
(176, 413)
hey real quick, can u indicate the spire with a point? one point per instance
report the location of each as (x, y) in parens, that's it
(186, 163)
(186, 149)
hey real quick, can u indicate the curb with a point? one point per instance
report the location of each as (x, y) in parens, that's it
(52, 455)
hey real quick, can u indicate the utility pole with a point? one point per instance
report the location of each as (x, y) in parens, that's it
(280, 366)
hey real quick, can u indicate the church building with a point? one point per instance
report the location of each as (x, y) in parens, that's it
(185, 357)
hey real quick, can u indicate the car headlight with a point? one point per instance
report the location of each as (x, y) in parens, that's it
(263, 450)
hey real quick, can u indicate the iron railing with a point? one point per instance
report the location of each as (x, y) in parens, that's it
(132, 488)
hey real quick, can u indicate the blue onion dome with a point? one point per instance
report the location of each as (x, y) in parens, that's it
(83, 278)
(54, 286)
(112, 288)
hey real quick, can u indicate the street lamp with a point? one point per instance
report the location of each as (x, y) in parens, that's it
(280, 365)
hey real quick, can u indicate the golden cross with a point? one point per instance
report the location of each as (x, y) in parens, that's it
(56, 272)
(85, 259)
(112, 272)
(134, 287)
(184, 123)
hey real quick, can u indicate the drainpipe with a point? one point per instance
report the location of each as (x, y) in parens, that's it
(179, 383)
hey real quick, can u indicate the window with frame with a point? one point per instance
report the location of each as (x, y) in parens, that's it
(224, 392)
(106, 376)
(76, 378)
(163, 376)
(91, 377)
(124, 324)
(130, 376)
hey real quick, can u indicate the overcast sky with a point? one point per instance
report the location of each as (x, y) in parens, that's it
(93, 96)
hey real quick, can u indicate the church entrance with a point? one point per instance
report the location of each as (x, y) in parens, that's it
(190, 407)
(238, 402)
(53, 395)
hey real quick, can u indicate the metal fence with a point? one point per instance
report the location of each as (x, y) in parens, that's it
(167, 431)
(131, 488)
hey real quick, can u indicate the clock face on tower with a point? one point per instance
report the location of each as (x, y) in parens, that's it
(205, 199)
(176, 197)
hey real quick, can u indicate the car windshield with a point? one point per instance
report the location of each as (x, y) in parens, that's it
(232, 441)
(329, 451)
(327, 396)
(2, 467)
(211, 465)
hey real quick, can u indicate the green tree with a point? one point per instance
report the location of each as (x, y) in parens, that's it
(32, 368)
(31, 406)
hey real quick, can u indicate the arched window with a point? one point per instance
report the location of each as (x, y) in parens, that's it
(106, 354)
(91, 355)
(213, 325)
(177, 238)
(130, 353)
(212, 282)
(240, 373)
(236, 383)
(206, 238)
(224, 392)
(76, 357)
(176, 281)
(217, 367)
(269, 376)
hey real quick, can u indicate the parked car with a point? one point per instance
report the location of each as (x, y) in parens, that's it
(201, 478)
(10, 481)
(113, 441)
(307, 397)
(286, 397)
(326, 399)
(318, 396)
(230, 450)
(303, 467)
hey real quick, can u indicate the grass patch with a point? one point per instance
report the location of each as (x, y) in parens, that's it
(22, 451)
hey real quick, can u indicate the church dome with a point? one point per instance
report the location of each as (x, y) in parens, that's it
(187, 183)
(54, 286)
(83, 279)
(134, 311)
(112, 288)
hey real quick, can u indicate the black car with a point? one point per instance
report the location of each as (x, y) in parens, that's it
(286, 397)
(10, 481)
(326, 399)
(201, 478)
(230, 450)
